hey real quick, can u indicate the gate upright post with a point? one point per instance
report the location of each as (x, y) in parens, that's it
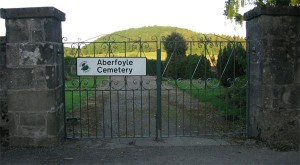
(34, 53)
(158, 83)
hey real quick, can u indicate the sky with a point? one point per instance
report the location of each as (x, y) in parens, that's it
(89, 18)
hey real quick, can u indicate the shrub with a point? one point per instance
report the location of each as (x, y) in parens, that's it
(231, 63)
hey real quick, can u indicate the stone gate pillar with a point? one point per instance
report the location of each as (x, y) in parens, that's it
(273, 41)
(34, 53)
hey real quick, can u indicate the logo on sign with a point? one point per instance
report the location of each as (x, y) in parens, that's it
(85, 67)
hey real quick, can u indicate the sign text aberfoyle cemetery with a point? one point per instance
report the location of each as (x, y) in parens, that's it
(111, 66)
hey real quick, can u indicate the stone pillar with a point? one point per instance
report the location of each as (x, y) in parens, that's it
(34, 53)
(3, 95)
(273, 36)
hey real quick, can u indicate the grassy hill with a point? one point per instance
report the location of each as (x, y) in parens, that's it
(148, 33)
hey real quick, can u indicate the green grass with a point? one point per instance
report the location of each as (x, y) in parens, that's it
(76, 95)
(215, 95)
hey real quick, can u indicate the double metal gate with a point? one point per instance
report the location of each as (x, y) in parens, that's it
(198, 91)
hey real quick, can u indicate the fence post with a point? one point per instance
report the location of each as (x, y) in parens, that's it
(158, 83)
(34, 53)
(274, 75)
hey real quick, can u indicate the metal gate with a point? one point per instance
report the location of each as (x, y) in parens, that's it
(185, 93)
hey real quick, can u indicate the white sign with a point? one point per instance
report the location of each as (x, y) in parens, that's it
(111, 66)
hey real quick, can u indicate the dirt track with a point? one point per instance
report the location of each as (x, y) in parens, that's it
(127, 108)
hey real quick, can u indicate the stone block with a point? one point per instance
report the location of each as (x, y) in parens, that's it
(59, 95)
(51, 75)
(60, 54)
(32, 100)
(297, 69)
(39, 77)
(54, 124)
(31, 54)
(59, 74)
(47, 77)
(53, 30)
(32, 131)
(17, 31)
(286, 97)
(32, 119)
(33, 12)
(13, 55)
(45, 141)
(13, 123)
(2, 51)
(36, 30)
(21, 141)
(282, 72)
(20, 78)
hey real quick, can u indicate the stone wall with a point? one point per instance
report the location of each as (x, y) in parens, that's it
(34, 60)
(273, 36)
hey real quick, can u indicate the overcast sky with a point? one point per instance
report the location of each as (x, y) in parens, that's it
(88, 18)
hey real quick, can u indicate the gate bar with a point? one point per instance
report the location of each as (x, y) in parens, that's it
(158, 83)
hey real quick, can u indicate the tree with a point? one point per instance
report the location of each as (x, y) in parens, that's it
(176, 47)
(232, 7)
(231, 63)
(175, 43)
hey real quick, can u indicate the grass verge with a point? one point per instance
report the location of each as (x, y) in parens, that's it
(80, 89)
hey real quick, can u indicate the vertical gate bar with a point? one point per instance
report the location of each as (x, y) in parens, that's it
(158, 84)
(73, 113)
(198, 114)
(191, 95)
(133, 114)
(190, 110)
(234, 72)
(205, 90)
(141, 84)
(220, 75)
(248, 45)
(103, 115)
(118, 101)
(149, 109)
(79, 83)
(168, 112)
(141, 87)
(126, 109)
(95, 94)
(176, 107)
(191, 92)
(62, 55)
(183, 109)
(80, 107)
(87, 112)
(95, 111)
(125, 79)
(110, 106)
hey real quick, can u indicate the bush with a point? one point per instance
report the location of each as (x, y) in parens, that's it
(231, 63)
